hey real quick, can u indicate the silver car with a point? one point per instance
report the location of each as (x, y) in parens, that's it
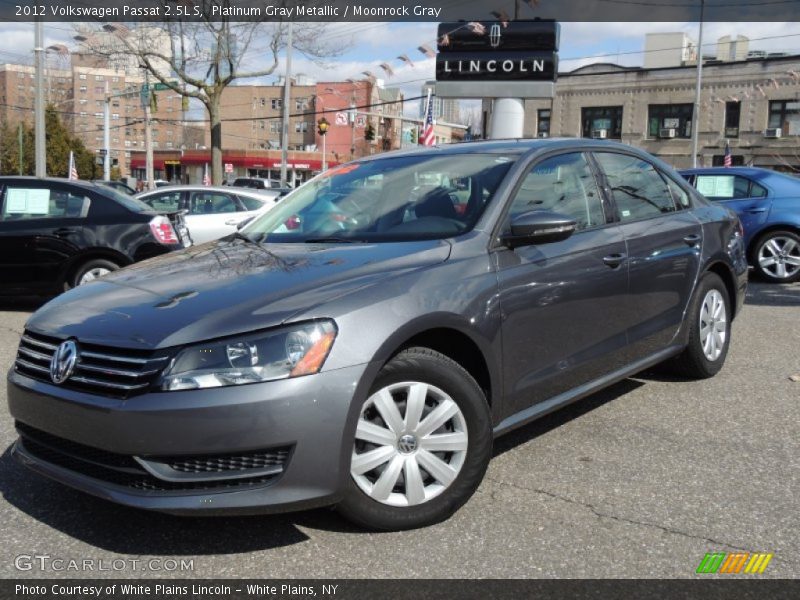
(211, 212)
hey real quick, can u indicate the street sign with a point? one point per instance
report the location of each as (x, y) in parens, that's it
(229, 167)
(361, 121)
(341, 118)
(156, 87)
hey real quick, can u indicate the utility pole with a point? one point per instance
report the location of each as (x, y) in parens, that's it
(286, 97)
(39, 134)
(698, 83)
(107, 136)
(20, 147)
(148, 137)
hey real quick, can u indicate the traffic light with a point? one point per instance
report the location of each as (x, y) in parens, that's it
(414, 136)
(369, 133)
(322, 126)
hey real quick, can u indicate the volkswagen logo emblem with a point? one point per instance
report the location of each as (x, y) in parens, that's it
(494, 35)
(407, 444)
(63, 362)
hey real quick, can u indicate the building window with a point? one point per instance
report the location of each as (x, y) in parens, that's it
(669, 120)
(99, 89)
(82, 76)
(262, 124)
(733, 111)
(98, 115)
(263, 101)
(275, 126)
(169, 144)
(301, 127)
(115, 116)
(543, 122)
(301, 103)
(602, 122)
(99, 78)
(277, 104)
(82, 88)
(785, 114)
(83, 101)
(83, 113)
(115, 80)
(127, 143)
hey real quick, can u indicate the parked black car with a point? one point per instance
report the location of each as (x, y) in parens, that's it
(119, 186)
(57, 233)
(362, 342)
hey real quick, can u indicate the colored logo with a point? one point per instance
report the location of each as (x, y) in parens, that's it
(734, 562)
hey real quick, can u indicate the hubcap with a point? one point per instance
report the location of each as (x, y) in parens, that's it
(779, 257)
(713, 325)
(93, 274)
(411, 443)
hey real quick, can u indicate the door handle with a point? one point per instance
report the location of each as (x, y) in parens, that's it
(692, 240)
(755, 211)
(64, 231)
(614, 260)
(232, 222)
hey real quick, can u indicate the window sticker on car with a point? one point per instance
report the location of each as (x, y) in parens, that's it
(715, 186)
(27, 201)
(626, 213)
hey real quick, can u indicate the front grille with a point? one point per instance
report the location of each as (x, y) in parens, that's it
(123, 470)
(100, 370)
(232, 463)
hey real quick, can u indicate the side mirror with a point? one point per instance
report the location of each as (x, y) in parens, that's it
(246, 221)
(539, 227)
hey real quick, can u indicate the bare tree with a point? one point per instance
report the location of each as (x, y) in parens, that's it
(199, 59)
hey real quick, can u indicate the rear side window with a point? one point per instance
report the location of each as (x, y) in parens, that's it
(638, 189)
(564, 184)
(41, 203)
(251, 203)
(728, 187)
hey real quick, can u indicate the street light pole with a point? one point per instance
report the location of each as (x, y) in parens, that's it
(39, 135)
(698, 83)
(148, 137)
(286, 97)
(107, 136)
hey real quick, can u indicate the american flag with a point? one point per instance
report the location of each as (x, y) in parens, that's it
(73, 171)
(206, 176)
(728, 160)
(427, 138)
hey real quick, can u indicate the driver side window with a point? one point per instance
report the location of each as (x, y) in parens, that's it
(564, 184)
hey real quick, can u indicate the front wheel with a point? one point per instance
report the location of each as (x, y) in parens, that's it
(709, 330)
(777, 257)
(422, 444)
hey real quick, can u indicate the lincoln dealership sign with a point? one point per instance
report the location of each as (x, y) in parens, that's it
(494, 59)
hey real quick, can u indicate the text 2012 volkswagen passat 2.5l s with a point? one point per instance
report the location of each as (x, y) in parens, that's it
(362, 343)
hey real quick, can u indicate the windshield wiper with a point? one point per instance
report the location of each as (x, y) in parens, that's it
(238, 235)
(331, 240)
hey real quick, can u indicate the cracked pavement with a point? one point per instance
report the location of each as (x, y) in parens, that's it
(640, 480)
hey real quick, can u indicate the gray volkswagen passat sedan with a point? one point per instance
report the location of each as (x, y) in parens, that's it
(362, 343)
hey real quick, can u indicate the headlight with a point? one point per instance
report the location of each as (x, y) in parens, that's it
(278, 354)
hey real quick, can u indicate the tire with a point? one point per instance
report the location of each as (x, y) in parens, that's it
(403, 452)
(776, 256)
(91, 270)
(704, 356)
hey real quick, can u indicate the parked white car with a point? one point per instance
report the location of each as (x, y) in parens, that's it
(211, 212)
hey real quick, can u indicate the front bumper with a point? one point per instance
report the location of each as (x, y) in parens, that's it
(309, 415)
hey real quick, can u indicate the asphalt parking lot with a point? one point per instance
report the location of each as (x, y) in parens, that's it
(638, 481)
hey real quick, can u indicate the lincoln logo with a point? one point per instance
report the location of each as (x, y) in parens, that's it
(494, 35)
(63, 362)
(494, 66)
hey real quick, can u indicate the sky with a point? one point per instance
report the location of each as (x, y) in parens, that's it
(365, 45)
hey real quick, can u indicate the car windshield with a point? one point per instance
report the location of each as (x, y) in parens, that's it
(399, 198)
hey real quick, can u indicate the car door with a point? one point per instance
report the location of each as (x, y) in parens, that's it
(562, 303)
(213, 215)
(750, 200)
(41, 229)
(663, 240)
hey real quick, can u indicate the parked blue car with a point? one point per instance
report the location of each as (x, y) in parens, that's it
(768, 204)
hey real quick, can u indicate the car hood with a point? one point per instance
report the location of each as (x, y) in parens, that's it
(223, 288)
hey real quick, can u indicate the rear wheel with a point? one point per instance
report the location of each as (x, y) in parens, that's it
(777, 257)
(422, 444)
(709, 330)
(91, 270)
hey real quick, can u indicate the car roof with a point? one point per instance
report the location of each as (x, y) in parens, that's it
(77, 182)
(749, 171)
(516, 146)
(208, 188)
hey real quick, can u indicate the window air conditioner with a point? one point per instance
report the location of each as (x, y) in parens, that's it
(600, 134)
(773, 133)
(667, 133)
